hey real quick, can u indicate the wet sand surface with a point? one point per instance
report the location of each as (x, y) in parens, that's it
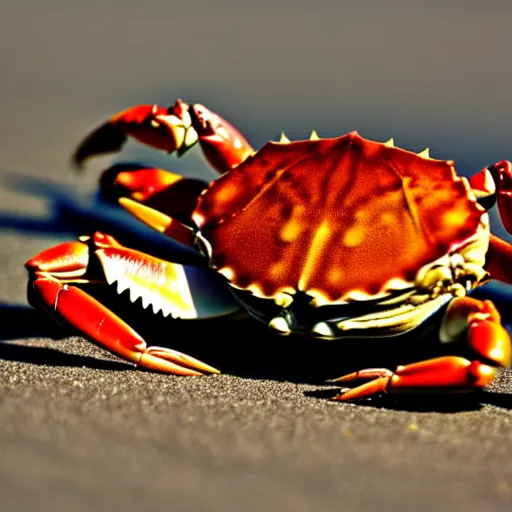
(81, 430)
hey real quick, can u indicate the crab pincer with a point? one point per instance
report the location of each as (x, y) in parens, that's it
(100, 259)
(168, 129)
(172, 129)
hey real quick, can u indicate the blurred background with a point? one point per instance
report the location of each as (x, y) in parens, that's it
(431, 74)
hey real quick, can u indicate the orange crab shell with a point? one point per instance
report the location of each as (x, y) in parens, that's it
(338, 218)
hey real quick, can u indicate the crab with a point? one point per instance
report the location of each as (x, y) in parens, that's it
(328, 237)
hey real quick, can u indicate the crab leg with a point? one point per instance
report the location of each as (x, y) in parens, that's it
(173, 129)
(100, 259)
(497, 179)
(499, 259)
(444, 374)
(502, 174)
(161, 190)
(488, 342)
(159, 221)
(99, 324)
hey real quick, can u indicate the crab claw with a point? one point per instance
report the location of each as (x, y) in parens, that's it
(163, 128)
(223, 145)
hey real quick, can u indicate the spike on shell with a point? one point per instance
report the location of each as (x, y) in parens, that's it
(283, 139)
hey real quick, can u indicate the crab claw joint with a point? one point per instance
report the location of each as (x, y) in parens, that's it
(223, 145)
(169, 129)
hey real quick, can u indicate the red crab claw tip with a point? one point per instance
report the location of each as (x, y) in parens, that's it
(168, 129)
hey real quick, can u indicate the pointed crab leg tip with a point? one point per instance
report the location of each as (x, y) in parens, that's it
(347, 396)
(390, 143)
(368, 374)
(186, 364)
(343, 378)
(196, 364)
(314, 135)
(153, 218)
(425, 153)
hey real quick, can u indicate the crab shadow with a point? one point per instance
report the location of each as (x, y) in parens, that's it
(22, 322)
(246, 349)
(67, 212)
(425, 403)
(73, 213)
